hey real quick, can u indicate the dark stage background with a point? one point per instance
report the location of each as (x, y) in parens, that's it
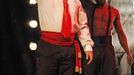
(16, 57)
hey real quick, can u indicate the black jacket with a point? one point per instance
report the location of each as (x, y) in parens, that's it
(17, 58)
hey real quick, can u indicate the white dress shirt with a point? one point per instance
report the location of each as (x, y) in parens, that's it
(50, 19)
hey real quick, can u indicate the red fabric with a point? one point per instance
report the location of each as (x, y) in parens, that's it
(66, 21)
(58, 39)
(78, 64)
(101, 16)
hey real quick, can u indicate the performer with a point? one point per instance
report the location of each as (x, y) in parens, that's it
(58, 51)
(104, 18)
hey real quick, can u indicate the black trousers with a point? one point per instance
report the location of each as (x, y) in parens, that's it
(55, 60)
(104, 62)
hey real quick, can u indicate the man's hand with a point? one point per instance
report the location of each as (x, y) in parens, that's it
(89, 56)
(130, 58)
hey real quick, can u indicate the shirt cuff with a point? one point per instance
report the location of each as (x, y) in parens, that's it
(88, 47)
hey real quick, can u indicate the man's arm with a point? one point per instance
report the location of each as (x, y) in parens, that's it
(122, 37)
(84, 34)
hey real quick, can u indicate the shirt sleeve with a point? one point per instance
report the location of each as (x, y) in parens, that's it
(83, 33)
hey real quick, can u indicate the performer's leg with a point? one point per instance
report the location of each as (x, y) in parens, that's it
(94, 67)
(90, 68)
(110, 61)
(46, 61)
(67, 61)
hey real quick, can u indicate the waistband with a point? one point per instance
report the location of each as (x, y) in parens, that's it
(102, 39)
(58, 39)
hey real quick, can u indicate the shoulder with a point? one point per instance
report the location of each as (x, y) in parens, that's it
(115, 10)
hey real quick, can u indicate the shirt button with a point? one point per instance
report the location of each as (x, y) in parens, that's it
(33, 46)
(32, 1)
(33, 23)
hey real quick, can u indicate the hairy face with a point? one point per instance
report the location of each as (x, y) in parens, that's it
(100, 2)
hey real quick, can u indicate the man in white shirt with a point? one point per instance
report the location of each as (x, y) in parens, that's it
(58, 51)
